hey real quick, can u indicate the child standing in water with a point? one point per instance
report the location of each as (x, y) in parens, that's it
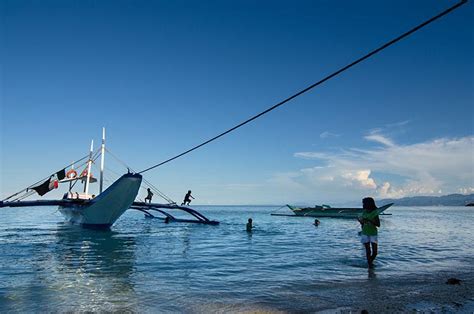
(249, 225)
(369, 222)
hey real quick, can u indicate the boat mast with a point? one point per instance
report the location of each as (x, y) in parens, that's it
(89, 165)
(70, 182)
(102, 157)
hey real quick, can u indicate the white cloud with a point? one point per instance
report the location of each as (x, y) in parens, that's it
(380, 139)
(361, 178)
(431, 167)
(387, 191)
(398, 124)
(312, 155)
(342, 177)
(467, 190)
(327, 134)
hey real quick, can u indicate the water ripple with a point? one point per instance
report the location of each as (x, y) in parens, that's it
(144, 264)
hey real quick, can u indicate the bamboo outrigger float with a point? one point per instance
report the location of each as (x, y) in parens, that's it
(147, 207)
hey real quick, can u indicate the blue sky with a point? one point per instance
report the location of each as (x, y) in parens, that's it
(163, 76)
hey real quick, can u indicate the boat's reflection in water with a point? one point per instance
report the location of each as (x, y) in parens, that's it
(96, 267)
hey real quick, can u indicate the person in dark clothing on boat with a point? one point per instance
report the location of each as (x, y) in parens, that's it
(149, 196)
(369, 222)
(187, 198)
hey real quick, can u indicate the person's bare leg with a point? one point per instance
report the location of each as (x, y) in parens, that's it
(374, 253)
(367, 253)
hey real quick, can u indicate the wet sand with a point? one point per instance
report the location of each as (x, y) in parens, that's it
(423, 294)
(406, 294)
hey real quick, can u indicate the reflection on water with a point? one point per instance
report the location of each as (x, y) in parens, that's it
(95, 267)
(371, 273)
(144, 265)
(99, 253)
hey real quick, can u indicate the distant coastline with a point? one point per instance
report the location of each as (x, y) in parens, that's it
(445, 200)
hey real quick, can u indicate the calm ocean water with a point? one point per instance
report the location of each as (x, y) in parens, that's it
(145, 265)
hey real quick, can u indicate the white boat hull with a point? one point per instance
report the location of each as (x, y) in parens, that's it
(102, 211)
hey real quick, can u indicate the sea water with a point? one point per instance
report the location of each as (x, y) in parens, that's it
(285, 264)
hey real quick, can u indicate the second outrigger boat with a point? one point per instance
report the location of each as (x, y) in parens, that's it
(328, 211)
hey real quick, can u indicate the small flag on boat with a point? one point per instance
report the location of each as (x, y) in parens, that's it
(43, 188)
(61, 174)
(48, 185)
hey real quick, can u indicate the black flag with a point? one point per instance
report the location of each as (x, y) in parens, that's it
(43, 188)
(51, 183)
(61, 174)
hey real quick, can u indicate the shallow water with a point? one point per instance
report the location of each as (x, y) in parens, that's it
(145, 265)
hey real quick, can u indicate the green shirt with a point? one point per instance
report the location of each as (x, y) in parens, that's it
(369, 228)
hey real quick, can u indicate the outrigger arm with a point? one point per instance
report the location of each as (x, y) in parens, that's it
(62, 202)
(146, 207)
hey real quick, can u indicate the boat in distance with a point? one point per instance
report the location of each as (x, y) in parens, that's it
(330, 212)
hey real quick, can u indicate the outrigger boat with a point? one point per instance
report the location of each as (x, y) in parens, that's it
(103, 210)
(328, 211)
(89, 211)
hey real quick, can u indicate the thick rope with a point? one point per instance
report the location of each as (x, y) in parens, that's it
(370, 54)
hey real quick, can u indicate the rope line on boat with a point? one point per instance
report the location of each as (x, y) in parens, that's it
(118, 159)
(368, 55)
(153, 188)
(40, 181)
(277, 209)
(28, 191)
(161, 194)
(95, 156)
(22, 197)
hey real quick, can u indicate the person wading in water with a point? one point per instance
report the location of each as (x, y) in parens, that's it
(369, 222)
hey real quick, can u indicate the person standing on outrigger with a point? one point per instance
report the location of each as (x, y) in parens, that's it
(149, 196)
(369, 223)
(187, 198)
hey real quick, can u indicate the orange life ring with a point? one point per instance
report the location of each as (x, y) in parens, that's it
(84, 173)
(71, 174)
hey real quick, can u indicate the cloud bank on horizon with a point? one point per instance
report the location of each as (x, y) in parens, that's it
(382, 169)
(391, 170)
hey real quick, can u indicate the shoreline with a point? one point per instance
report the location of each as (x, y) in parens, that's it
(414, 293)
